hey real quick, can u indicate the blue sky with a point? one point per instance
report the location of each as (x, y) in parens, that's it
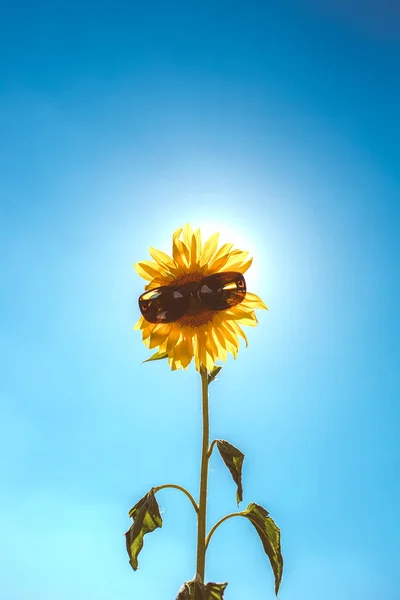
(277, 123)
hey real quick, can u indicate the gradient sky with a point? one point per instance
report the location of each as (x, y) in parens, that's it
(277, 123)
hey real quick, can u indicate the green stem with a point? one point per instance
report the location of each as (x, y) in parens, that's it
(182, 489)
(201, 517)
(236, 514)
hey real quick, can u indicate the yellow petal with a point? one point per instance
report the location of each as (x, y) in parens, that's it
(177, 233)
(239, 312)
(187, 235)
(145, 324)
(163, 259)
(181, 254)
(225, 342)
(230, 336)
(209, 349)
(225, 249)
(193, 252)
(177, 250)
(163, 346)
(219, 261)
(220, 337)
(196, 352)
(139, 324)
(217, 350)
(248, 321)
(209, 363)
(212, 343)
(236, 255)
(159, 282)
(201, 343)
(149, 270)
(173, 338)
(236, 265)
(158, 336)
(238, 330)
(209, 249)
(254, 301)
(148, 330)
(241, 315)
(244, 267)
(183, 351)
(174, 364)
(197, 235)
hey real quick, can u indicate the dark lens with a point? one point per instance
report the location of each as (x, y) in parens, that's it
(222, 290)
(163, 305)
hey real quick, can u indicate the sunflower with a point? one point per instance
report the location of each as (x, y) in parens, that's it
(204, 335)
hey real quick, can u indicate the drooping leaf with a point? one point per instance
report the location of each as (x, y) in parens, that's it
(146, 518)
(194, 590)
(156, 356)
(233, 459)
(213, 373)
(270, 537)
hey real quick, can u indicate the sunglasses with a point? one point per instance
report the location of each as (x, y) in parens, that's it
(216, 292)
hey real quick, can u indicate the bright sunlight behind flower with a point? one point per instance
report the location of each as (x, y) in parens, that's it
(201, 332)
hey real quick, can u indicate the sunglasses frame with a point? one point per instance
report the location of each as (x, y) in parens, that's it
(193, 289)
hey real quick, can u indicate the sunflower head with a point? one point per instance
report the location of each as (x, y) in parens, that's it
(203, 334)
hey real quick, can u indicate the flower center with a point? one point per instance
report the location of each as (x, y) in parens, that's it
(189, 277)
(196, 319)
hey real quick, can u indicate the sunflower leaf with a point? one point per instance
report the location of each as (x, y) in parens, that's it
(146, 518)
(270, 538)
(213, 373)
(233, 459)
(194, 590)
(156, 356)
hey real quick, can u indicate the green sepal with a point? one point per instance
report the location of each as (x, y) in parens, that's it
(194, 590)
(270, 537)
(146, 518)
(156, 356)
(213, 373)
(233, 458)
